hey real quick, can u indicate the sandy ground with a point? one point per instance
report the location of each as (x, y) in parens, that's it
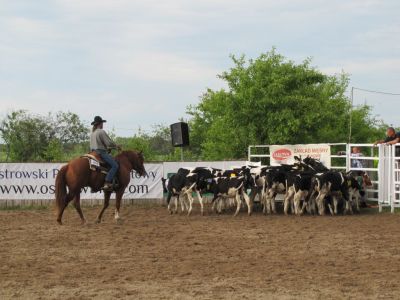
(158, 256)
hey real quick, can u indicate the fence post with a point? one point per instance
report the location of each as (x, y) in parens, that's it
(392, 178)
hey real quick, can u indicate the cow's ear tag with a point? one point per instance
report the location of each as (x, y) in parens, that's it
(233, 175)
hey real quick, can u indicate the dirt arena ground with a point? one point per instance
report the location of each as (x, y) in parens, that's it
(153, 255)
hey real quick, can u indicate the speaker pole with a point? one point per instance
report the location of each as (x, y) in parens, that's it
(181, 153)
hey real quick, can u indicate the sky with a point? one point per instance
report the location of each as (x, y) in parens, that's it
(140, 63)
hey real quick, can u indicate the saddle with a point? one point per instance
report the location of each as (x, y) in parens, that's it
(96, 164)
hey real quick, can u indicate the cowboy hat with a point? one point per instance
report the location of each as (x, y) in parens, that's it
(98, 120)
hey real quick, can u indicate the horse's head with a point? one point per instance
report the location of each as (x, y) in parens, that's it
(137, 161)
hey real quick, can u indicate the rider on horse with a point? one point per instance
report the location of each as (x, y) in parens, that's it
(101, 143)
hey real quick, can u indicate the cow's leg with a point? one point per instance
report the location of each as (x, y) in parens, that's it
(176, 203)
(169, 202)
(286, 204)
(264, 203)
(190, 200)
(330, 209)
(253, 194)
(107, 196)
(292, 204)
(201, 202)
(268, 201)
(77, 205)
(287, 201)
(238, 203)
(214, 202)
(296, 201)
(348, 206)
(357, 197)
(321, 204)
(182, 202)
(335, 204)
(220, 203)
(307, 203)
(273, 209)
(312, 204)
(169, 205)
(249, 203)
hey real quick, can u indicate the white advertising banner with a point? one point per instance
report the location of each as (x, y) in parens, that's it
(284, 154)
(33, 181)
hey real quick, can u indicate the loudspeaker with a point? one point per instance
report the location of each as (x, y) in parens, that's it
(180, 134)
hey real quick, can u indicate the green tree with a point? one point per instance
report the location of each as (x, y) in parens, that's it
(33, 137)
(54, 151)
(272, 100)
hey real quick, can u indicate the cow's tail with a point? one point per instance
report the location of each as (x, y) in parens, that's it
(61, 188)
(240, 186)
(164, 184)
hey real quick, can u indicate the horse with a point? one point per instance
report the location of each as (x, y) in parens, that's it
(77, 174)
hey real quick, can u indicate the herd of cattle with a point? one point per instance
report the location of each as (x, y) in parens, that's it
(307, 185)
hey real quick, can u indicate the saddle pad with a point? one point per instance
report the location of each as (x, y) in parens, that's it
(91, 157)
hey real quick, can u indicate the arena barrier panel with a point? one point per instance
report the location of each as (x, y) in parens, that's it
(25, 184)
(381, 164)
(34, 184)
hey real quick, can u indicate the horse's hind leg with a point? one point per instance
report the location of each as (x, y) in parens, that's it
(68, 198)
(77, 205)
(118, 198)
(107, 196)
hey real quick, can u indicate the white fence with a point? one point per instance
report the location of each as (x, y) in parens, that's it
(381, 164)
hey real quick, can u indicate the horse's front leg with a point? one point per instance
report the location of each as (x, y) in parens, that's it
(107, 196)
(77, 205)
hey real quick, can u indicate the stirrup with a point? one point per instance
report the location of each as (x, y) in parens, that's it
(108, 187)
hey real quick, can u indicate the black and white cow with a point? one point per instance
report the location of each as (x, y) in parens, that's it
(275, 183)
(232, 189)
(332, 185)
(186, 181)
(357, 190)
(298, 188)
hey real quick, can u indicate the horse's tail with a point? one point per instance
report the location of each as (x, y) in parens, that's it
(61, 188)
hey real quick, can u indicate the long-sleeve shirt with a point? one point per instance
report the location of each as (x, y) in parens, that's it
(99, 139)
(356, 163)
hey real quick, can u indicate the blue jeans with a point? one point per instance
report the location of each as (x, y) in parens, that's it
(109, 160)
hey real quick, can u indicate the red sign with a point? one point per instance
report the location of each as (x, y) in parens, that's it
(281, 154)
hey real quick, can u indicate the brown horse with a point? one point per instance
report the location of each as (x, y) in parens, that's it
(77, 174)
